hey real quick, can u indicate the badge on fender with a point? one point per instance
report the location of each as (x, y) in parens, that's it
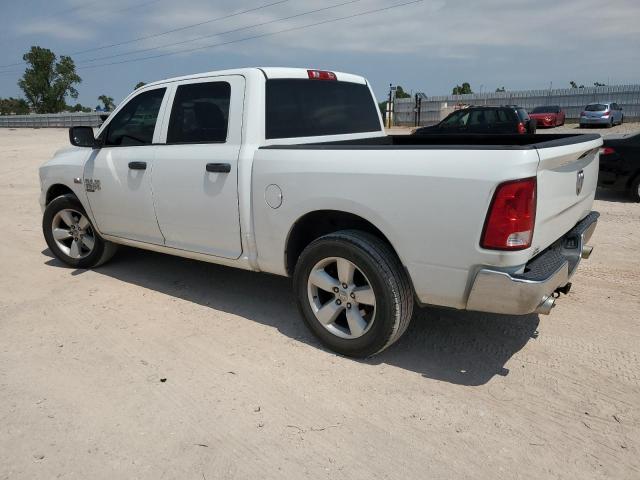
(91, 185)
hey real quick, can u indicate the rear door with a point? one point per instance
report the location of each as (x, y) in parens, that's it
(567, 178)
(195, 176)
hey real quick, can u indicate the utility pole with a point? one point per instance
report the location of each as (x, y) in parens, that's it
(389, 106)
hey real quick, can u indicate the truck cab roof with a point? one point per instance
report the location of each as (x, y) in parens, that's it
(268, 72)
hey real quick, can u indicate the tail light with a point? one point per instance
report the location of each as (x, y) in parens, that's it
(521, 128)
(607, 151)
(511, 218)
(606, 114)
(583, 114)
(321, 75)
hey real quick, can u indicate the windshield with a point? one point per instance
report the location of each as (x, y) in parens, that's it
(546, 110)
(596, 107)
(311, 108)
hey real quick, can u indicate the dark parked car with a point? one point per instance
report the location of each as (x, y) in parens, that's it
(620, 165)
(548, 116)
(505, 119)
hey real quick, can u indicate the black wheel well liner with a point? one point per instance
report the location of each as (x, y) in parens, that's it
(315, 224)
(56, 190)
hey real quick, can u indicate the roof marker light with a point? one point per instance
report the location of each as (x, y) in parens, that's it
(321, 75)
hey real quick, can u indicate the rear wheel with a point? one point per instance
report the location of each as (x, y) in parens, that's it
(610, 124)
(634, 191)
(70, 235)
(353, 293)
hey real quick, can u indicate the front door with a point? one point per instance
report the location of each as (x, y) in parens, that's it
(118, 175)
(195, 174)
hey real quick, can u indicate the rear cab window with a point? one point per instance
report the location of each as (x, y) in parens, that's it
(311, 108)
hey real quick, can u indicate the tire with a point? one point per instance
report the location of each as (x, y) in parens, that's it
(610, 124)
(634, 191)
(81, 246)
(581, 125)
(376, 266)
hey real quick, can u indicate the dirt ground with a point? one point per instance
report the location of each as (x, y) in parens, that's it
(155, 367)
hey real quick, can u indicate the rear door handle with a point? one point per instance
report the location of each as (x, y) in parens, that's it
(218, 167)
(138, 165)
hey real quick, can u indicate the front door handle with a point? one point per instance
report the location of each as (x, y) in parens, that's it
(138, 165)
(218, 167)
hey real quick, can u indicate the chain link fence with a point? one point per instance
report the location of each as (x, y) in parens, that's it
(571, 100)
(53, 120)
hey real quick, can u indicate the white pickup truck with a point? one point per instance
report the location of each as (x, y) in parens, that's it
(289, 171)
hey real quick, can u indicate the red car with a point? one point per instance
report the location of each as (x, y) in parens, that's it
(548, 116)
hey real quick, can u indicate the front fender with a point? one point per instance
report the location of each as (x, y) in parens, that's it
(66, 168)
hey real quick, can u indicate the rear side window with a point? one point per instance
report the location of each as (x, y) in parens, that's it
(504, 116)
(482, 117)
(135, 122)
(596, 107)
(200, 113)
(310, 108)
(522, 114)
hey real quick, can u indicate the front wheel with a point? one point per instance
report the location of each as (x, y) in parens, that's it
(70, 235)
(353, 293)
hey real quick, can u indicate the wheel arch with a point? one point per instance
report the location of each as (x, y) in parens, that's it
(317, 223)
(56, 190)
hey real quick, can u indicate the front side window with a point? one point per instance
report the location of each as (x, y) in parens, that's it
(134, 124)
(200, 113)
(456, 119)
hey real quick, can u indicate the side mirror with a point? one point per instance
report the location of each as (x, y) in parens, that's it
(82, 137)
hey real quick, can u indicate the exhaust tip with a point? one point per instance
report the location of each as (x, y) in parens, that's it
(545, 307)
(586, 251)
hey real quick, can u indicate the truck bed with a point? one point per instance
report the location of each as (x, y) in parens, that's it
(451, 141)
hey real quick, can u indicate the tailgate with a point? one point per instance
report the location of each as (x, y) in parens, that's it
(567, 179)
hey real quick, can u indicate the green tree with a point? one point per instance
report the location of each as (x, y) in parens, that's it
(139, 84)
(500, 89)
(400, 93)
(383, 109)
(598, 84)
(13, 106)
(107, 102)
(47, 82)
(78, 107)
(575, 85)
(463, 89)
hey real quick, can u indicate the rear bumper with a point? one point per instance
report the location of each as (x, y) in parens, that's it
(543, 122)
(595, 120)
(533, 291)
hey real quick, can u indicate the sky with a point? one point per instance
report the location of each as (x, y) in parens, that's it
(426, 46)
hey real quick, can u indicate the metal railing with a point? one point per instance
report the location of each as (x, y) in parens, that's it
(571, 100)
(52, 120)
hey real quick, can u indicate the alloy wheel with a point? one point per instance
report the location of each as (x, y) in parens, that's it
(73, 233)
(341, 297)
